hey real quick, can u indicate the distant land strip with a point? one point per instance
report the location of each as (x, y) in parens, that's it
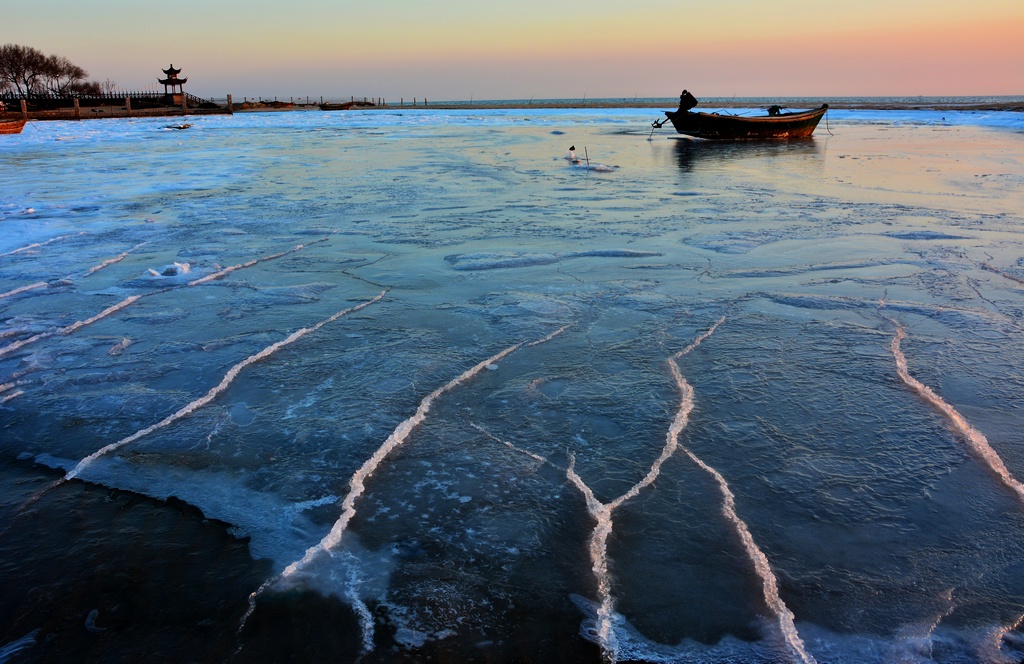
(844, 104)
(710, 103)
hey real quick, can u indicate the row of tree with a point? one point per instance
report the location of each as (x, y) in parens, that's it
(26, 71)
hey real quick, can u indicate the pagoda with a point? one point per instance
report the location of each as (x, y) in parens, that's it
(172, 81)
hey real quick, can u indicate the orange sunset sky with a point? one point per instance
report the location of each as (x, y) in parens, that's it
(456, 49)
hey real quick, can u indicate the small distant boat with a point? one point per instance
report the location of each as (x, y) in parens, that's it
(344, 106)
(178, 126)
(11, 126)
(775, 125)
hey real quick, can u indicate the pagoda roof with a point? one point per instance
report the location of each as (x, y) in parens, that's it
(174, 80)
(171, 71)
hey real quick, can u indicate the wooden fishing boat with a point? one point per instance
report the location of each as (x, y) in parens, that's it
(773, 126)
(11, 126)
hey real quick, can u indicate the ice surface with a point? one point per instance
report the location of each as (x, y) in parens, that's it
(865, 504)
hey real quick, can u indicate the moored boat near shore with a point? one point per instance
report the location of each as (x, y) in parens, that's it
(775, 125)
(11, 126)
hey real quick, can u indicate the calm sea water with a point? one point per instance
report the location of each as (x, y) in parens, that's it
(408, 386)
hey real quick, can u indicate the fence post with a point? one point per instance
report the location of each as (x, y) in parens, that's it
(24, 109)
(78, 111)
(128, 106)
(184, 103)
(231, 108)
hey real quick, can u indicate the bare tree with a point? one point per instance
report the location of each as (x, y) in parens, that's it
(60, 76)
(27, 71)
(84, 89)
(21, 68)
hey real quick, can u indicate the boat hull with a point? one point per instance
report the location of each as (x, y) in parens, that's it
(11, 126)
(738, 128)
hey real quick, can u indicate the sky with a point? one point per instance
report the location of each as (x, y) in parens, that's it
(494, 49)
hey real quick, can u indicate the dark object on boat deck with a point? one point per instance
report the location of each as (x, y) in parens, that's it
(11, 126)
(776, 125)
(687, 101)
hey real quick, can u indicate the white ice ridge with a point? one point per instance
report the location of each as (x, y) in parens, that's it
(550, 336)
(1006, 275)
(536, 457)
(769, 583)
(975, 439)
(357, 484)
(111, 261)
(7, 387)
(602, 512)
(96, 268)
(223, 385)
(228, 270)
(991, 648)
(70, 328)
(599, 563)
(915, 641)
(24, 289)
(131, 299)
(36, 245)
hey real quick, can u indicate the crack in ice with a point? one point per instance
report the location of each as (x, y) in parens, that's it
(36, 245)
(230, 376)
(602, 512)
(357, 486)
(133, 298)
(976, 440)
